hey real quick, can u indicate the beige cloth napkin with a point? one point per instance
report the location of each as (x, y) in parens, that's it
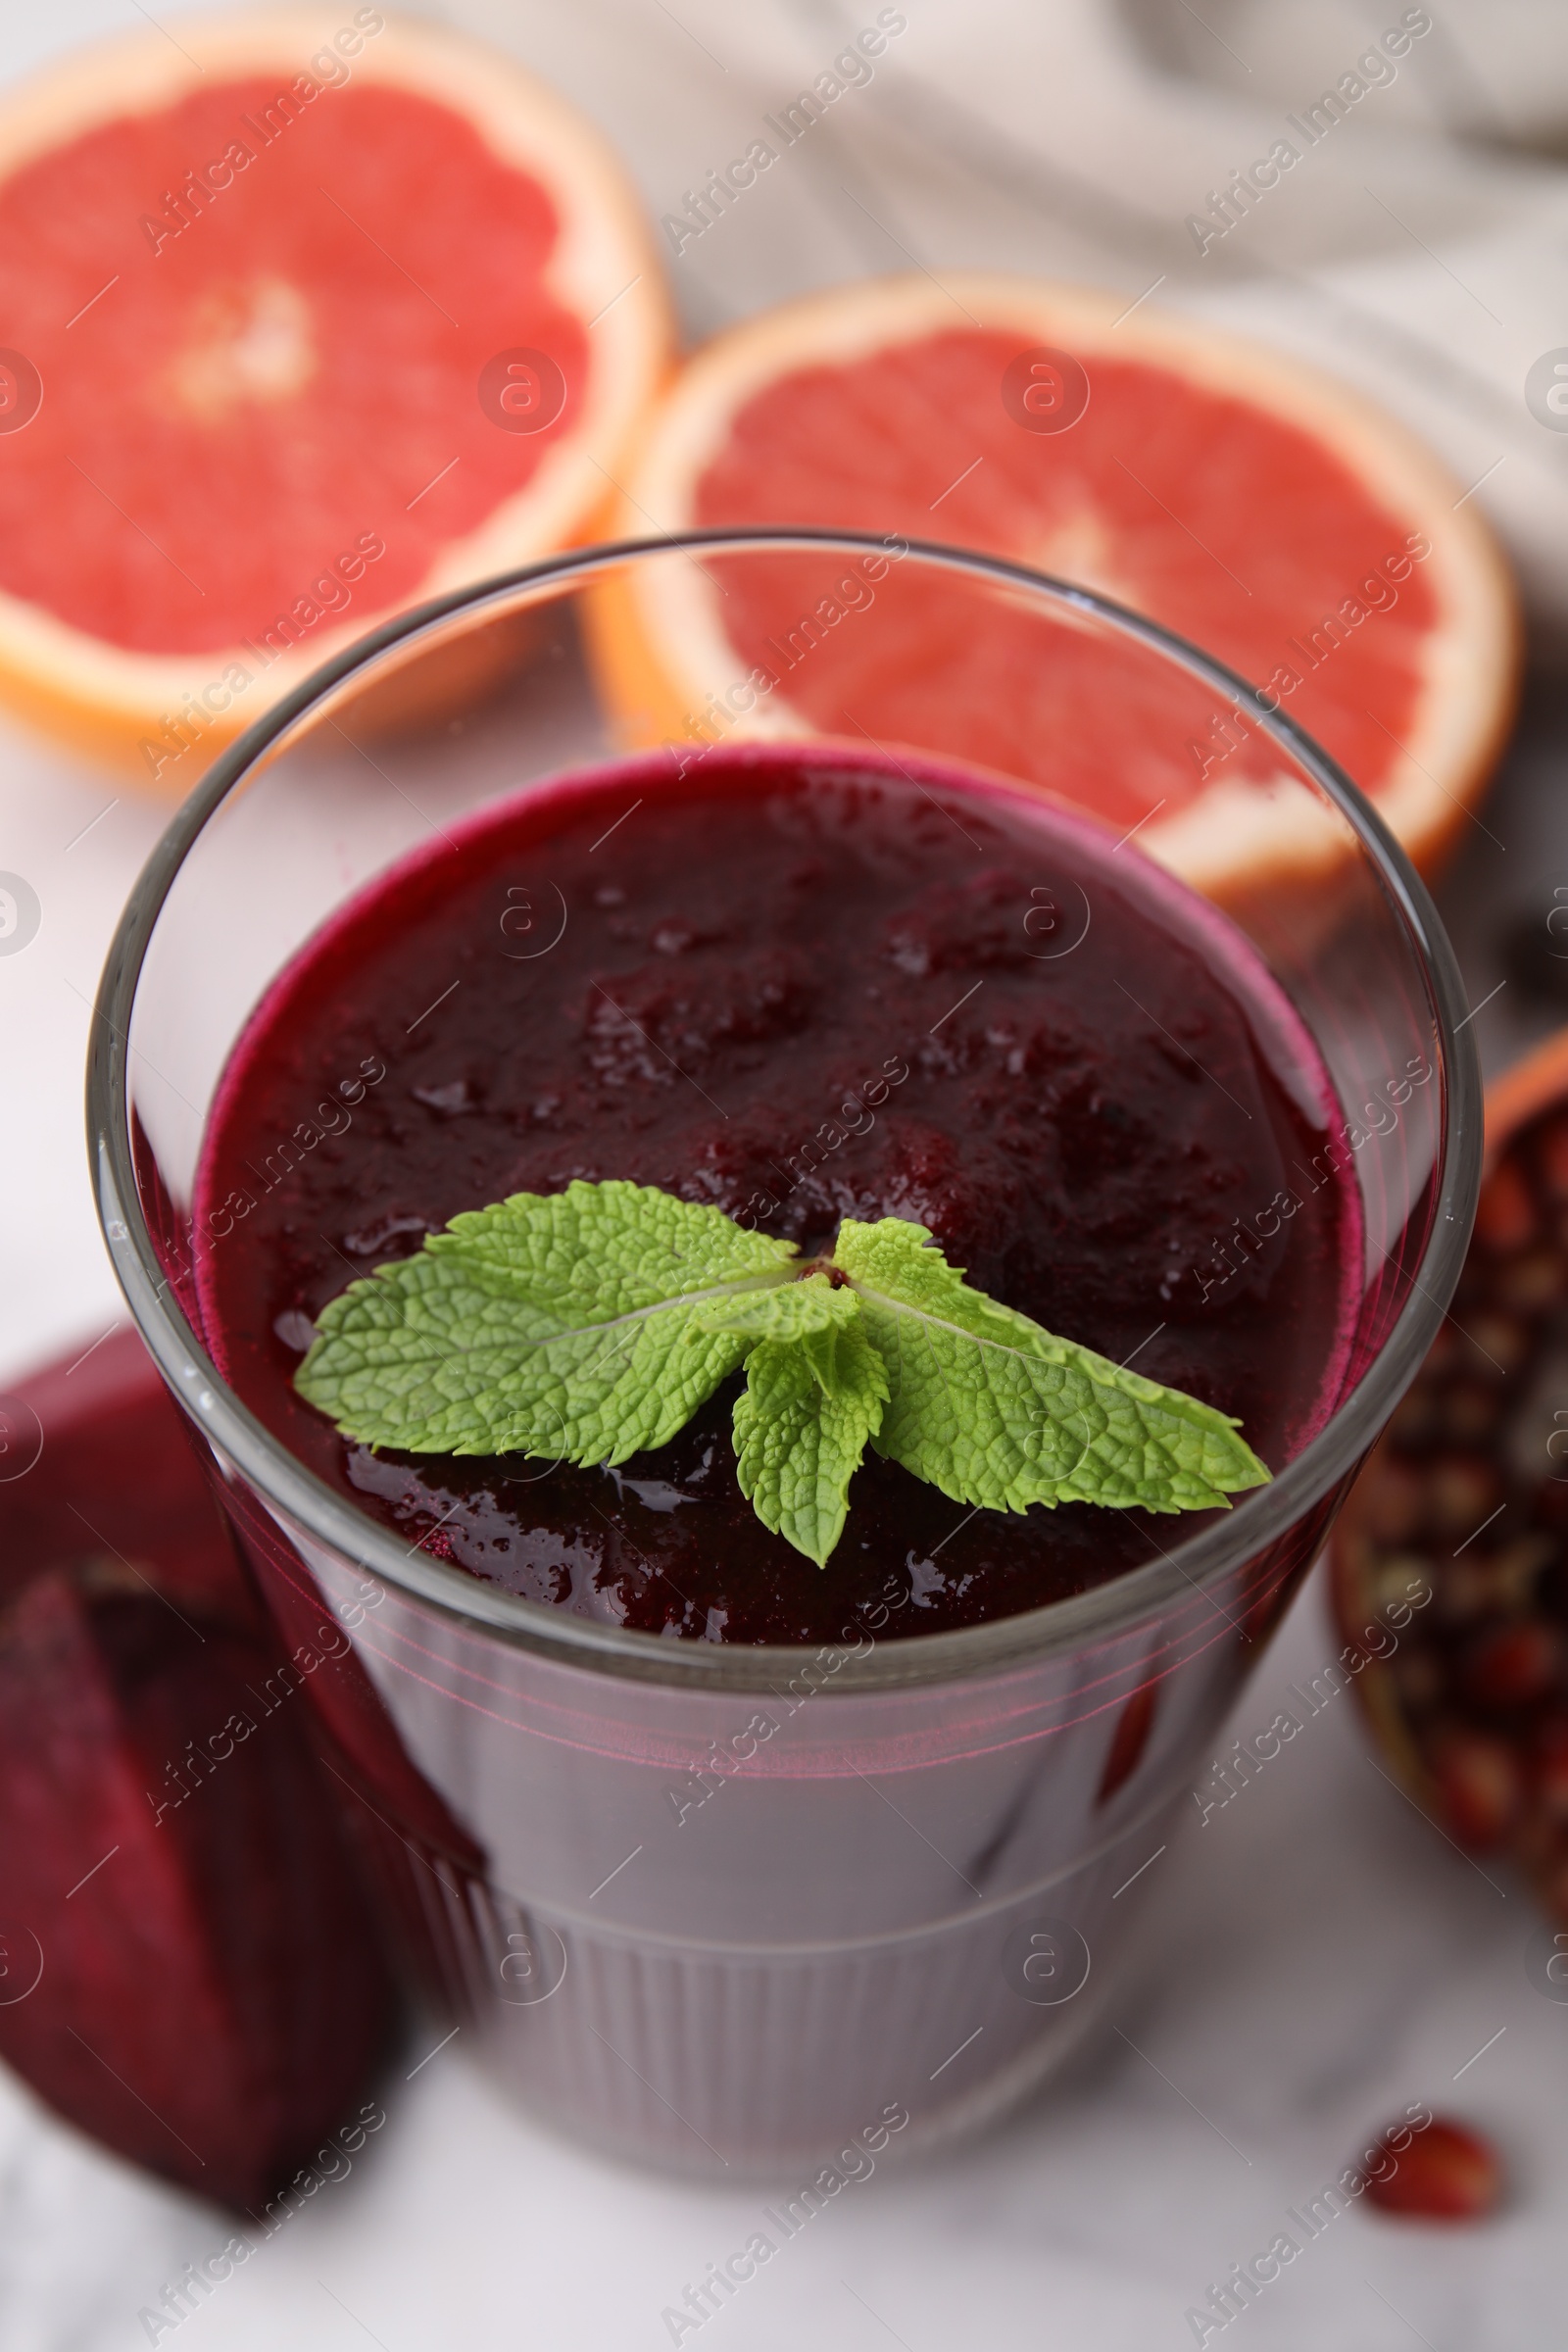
(1417, 245)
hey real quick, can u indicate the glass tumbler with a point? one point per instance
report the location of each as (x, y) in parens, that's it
(749, 1909)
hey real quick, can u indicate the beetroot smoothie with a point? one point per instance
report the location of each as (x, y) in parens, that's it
(799, 986)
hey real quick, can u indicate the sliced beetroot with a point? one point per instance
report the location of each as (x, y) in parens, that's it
(213, 1997)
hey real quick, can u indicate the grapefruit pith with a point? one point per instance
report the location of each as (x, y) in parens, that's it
(309, 315)
(1258, 510)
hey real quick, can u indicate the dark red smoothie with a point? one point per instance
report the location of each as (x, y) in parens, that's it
(799, 987)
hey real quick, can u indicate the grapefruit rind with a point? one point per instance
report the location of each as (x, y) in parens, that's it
(660, 650)
(604, 268)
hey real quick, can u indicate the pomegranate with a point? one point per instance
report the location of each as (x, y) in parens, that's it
(1466, 1500)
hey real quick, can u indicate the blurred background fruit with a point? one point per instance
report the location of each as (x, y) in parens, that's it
(189, 1968)
(1446, 2171)
(1467, 1495)
(1258, 508)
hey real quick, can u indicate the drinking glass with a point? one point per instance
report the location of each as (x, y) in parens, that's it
(746, 1909)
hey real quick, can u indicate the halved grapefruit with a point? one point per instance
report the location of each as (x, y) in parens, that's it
(1257, 508)
(308, 315)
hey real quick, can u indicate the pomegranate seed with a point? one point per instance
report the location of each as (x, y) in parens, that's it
(1420, 1680)
(1505, 1214)
(1463, 1491)
(1513, 1668)
(1471, 1411)
(1512, 1577)
(1552, 1770)
(1494, 1342)
(1415, 1416)
(1531, 1282)
(1463, 1592)
(1478, 1786)
(1446, 2174)
(1394, 1502)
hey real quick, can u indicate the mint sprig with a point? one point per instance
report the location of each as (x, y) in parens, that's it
(589, 1325)
(812, 1397)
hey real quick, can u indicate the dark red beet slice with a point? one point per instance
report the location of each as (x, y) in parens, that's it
(190, 1972)
(116, 1473)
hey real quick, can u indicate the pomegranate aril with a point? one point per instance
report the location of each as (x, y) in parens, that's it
(1470, 1412)
(1528, 1284)
(1493, 1344)
(1396, 1501)
(1448, 2172)
(1479, 1787)
(1461, 1491)
(1416, 1415)
(1420, 1679)
(1513, 1668)
(1512, 1578)
(1401, 1583)
(1462, 1593)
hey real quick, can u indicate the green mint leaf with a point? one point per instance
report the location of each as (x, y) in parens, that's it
(557, 1325)
(801, 1425)
(589, 1325)
(788, 1311)
(997, 1412)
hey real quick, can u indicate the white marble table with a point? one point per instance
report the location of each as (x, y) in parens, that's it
(1314, 1956)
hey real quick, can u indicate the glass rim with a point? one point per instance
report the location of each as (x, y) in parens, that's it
(1194, 1564)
